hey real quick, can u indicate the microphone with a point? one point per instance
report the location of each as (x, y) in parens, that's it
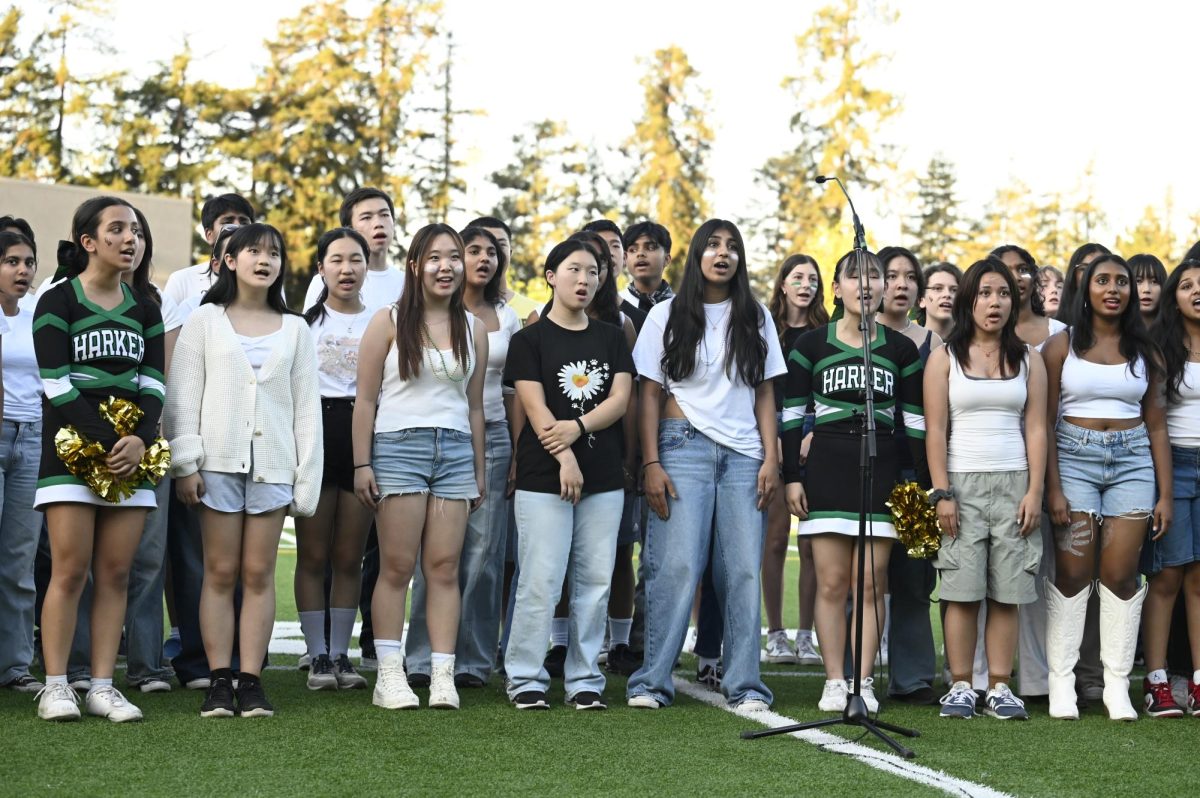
(860, 235)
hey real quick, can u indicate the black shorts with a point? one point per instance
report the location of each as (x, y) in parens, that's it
(337, 416)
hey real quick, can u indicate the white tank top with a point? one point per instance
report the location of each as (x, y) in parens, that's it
(1092, 390)
(985, 421)
(433, 398)
(1183, 416)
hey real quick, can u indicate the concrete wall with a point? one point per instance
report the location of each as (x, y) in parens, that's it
(48, 208)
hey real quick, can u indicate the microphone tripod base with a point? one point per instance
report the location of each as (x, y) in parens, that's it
(855, 714)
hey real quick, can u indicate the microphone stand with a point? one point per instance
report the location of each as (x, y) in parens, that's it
(856, 713)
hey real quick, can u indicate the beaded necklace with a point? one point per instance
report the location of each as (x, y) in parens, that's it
(456, 374)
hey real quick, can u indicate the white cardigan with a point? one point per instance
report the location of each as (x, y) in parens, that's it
(220, 417)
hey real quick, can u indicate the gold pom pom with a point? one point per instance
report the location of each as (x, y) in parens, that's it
(87, 460)
(915, 520)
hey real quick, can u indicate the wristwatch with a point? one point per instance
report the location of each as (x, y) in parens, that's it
(936, 496)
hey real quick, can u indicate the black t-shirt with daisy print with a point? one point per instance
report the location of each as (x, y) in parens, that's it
(576, 369)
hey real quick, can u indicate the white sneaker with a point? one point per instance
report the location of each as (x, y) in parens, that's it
(866, 689)
(689, 643)
(81, 685)
(833, 697)
(107, 702)
(779, 649)
(58, 702)
(754, 705)
(304, 662)
(442, 693)
(368, 664)
(806, 652)
(882, 656)
(643, 702)
(201, 683)
(391, 685)
(155, 686)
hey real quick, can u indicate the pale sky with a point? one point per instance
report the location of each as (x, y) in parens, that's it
(1028, 88)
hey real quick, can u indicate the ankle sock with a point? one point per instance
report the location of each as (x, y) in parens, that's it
(618, 631)
(341, 626)
(174, 632)
(1195, 677)
(706, 662)
(1157, 676)
(559, 630)
(57, 679)
(386, 648)
(437, 659)
(98, 683)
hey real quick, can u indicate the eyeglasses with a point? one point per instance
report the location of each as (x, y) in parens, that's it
(942, 289)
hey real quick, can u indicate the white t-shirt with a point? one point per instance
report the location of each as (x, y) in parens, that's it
(4, 323)
(493, 390)
(337, 337)
(719, 406)
(191, 281)
(380, 289)
(22, 380)
(172, 320)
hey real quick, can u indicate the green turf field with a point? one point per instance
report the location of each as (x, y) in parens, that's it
(337, 744)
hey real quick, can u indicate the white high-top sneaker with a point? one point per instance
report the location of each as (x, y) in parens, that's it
(391, 685)
(442, 693)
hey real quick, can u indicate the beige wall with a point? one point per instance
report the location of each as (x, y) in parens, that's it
(48, 209)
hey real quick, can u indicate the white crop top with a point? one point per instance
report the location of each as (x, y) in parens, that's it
(1183, 416)
(434, 398)
(1091, 390)
(259, 348)
(986, 420)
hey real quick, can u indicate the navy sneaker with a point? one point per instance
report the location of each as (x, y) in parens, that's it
(1002, 704)
(959, 702)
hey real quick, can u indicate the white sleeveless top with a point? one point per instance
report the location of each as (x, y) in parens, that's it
(986, 421)
(433, 398)
(1092, 390)
(1183, 416)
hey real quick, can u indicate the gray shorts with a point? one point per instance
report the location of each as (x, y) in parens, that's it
(238, 493)
(989, 558)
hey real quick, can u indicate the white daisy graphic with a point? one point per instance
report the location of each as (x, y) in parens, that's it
(578, 382)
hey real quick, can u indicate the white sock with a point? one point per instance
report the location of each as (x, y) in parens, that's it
(1157, 677)
(341, 626)
(559, 631)
(705, 662)
(98, 683)
(57, 679)
(312, 624)
(174, 631)
(386, 648)
(618, 631)
(436, 659)
(1195, 677)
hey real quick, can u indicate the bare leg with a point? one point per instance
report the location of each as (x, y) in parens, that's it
(349, 540)
(874, 598)
(222, 533)
(399, 521)
(1191, 594)
(71, 528)
(960, 623)
(1156, 615)
(832, 554)
(1000, 631)
(118, 532)
(808, 583)
(314, 538)
(1076, 554)
(260, 549)
(441, 549)
(774, 555)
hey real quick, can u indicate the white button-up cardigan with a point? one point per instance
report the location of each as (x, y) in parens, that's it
(220, 417)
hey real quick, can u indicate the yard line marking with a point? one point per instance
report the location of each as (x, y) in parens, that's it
(889, 763)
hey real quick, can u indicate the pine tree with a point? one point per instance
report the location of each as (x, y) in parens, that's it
(539, 191)
(670, 144)
(933, 233)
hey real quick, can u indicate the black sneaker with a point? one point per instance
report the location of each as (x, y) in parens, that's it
(710, 676)
(218, 703)
(321, 675)
(556, 657)
(468, 680)
(622, 660)
(418, 680)
(587, 700)
(531, 699)
(252, 700)
(25, 684)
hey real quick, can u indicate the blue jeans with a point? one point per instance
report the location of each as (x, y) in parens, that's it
(20, 527)
(480, 573)
(144, 610)
(716, 509)
(556, 540)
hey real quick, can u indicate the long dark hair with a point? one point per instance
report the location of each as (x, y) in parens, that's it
(1067, 300)
(849, 263)
(963, 314)
(493, 291)
(1144, 267)
(72, 257)
(1168, 330)
(815, 314)
(410, 312)
(1028, 266)
(1135, 342)
(141, 275)
(317, 311)
(606, 304)
(225, 290)
(745, 348)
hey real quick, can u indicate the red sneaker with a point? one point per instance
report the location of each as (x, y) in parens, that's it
(1193, 702)
(1161, 704)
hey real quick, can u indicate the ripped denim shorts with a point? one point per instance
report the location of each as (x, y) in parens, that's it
(1106, 473)
(431, 460)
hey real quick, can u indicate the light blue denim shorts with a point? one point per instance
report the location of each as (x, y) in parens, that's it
(237, 493)
(432, 460)
(1107, 474)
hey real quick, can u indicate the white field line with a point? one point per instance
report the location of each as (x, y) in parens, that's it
(888, 763)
